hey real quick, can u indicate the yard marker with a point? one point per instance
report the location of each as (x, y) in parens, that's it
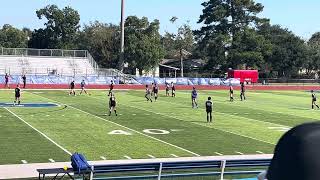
(127, 157)
(65, 150)
(239, 152)
(138, 132)
(133, 114)
(259, 152)
(24, 161)
(151, 156)
(51, 160)
(218, 153)
(47, 115)
(174, 155)
(103, 158)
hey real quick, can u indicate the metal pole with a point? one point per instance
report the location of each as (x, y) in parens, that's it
(121, 62)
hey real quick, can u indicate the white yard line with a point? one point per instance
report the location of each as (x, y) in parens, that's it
(152, 157)
(51, 160)
(260, 152)
(24, 161)
(128, 157)
(103, 158)
(174, 155)
(44, 135)
(218, 153)
(239, 152)
(159, 140)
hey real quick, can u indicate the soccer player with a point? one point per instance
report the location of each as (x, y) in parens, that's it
(24, 80)
(314, 99)
(17, 95)
(82, 84)
(72, 85)
(6, 77)
(155, 91)
(112, 104)
(148, 94)
(231, 93)
(194, 96)
(111, 88)
(173, 90)
(209, 108)
(242, 94)
(167, 89)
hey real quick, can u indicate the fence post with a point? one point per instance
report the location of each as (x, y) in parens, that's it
(1, 50)
(160, 171)
(223, 166)
(91, 173)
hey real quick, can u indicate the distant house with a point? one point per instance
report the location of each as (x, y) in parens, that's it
(171, 67)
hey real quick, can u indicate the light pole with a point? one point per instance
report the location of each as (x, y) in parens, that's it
(121, 61)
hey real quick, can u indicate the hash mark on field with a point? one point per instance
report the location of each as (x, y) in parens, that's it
(133, 114)
(260, 152)
(24, 161)
(51, 160)
(218, 153)
(151, 156)
(103, 158)
(47, 115)
(127, 157)
(138, 132)
(174, 155)
(239, 152)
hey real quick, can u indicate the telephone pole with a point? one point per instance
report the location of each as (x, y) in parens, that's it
(121, 61)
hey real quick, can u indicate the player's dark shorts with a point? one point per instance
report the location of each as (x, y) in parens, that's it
(314, 99)
(17, 95)
(156, 91)
(209, 110)
(193, 98)
(113, 104)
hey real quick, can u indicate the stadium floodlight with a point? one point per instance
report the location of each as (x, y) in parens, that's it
(121, 62)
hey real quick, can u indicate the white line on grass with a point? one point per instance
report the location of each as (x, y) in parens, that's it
(51, 160)
(151, 156)
(24, 161)
(174, 155)
(260, 152)
(44, 135)
(103, 158)
(178, 147)
(239, 152)
(218, 153)
(128, 157)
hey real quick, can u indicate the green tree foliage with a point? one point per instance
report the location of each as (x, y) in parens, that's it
(312, 64)
(289, 52)
(227, 23)
(11, 37)
(102, 41)
(143, 49)
(60, 30)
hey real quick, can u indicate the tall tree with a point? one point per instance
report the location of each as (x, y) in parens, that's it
(289, 52)
(60, 30)
(227, 21)
(143, 48)
(102, 41)
(11, 37)
(312, 64)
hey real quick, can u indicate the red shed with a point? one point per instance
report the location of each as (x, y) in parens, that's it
(244, 75)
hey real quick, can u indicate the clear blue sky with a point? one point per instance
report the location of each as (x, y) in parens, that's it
(301, 17)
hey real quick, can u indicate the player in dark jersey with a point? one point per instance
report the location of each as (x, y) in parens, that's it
(148, 94)
(6, 79)
(112, 104)
(17, 95)
(167, 89)
(173, 90)
(111, 87)
(209, 107)
(82, 85)
(155, 91)
(231, 93)
(24, 80)
(243, 90)
(72, 85)
(194, 96)
(314, 100)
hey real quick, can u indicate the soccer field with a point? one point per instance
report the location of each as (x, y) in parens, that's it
(166, 128)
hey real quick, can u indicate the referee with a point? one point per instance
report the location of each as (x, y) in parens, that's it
(209, 108)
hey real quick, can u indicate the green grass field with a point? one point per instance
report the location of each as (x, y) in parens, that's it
(167, 128)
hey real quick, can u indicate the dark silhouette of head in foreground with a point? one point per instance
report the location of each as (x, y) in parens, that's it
(297, 154)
